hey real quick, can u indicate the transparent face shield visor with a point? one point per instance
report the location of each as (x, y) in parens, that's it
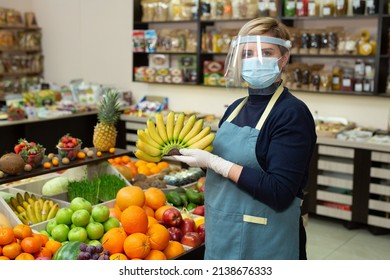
(256, 53)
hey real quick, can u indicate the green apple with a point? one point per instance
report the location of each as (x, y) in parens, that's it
(77, 234)
(50, 225)
(78, 203)
(95, 230)
(43, 231)
(112, 222)
(80, 218)
(100, 213)
(94, 242)
(60, 232)
(64, 216)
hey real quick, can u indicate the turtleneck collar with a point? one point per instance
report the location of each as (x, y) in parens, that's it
(264, 91)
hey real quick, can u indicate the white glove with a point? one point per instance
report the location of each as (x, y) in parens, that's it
(201, 158)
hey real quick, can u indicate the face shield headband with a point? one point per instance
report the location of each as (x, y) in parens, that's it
(253, 62)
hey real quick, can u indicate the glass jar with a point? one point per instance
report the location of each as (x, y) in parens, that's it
(341, 7)
(336, 77)
(371, 7)
(313, 8)
(327, 8)
(289, 8)
(358, 7)
(358, 85)
(347, 80)
(263, 8)
(301, 9)
(273, 8)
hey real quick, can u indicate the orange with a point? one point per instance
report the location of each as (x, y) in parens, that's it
(115, 212)
(158, 236)
(143, 169)
(12, 250)
(137, 245)
(174, 249)
(140, 162)
(155, 170)
(125, 159)
(130, 195)
(113, 240)
(160, 211)
(149, 211)
(53, 246)
(162, 165)
(155, 255)
(24, 257)
(31, 244)
(118, 160)
(44, 238)
(22, 231)
(43, 252)
(134, 219)
(151, 164)
(111, 150)
(154, 198)
(118, 257)
(7, 236)
(151, 221)
(4, 258)
(81, 155)
(1, 251)
(133, 168)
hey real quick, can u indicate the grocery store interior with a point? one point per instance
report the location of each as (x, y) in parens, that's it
(95, 41)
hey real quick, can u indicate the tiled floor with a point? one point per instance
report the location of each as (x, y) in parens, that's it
(329, 239)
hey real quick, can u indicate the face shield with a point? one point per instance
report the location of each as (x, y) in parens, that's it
(254, 60)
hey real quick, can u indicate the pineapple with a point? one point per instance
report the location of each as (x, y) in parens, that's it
(104, 135)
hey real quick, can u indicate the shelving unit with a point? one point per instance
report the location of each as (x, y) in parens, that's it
(380, 59)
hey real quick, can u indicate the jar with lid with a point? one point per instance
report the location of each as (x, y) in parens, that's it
(313, 8)
(347, 80)
(301, 9)
(371, 7)
(263, 7)
(359, 67)
(368, 85)
(289, 8)
(336, 77)
(327, 8)
(273, 8)
(341, 7)
(358, 7)
(358, 84)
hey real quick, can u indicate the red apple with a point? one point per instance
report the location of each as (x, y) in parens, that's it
(175, 233)
(199, 210)
(200, 183)
(187, 225)
(172, 217)
(200, 230)
(191, 239)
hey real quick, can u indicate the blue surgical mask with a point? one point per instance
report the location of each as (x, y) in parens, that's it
(260, 73)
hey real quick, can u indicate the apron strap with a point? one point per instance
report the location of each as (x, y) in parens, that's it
(266, 112)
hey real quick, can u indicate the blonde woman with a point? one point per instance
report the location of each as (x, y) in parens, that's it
(260, 162)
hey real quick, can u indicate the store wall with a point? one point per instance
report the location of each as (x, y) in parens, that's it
(90, 39)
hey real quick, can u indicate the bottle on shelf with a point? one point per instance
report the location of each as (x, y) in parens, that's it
(337, 76)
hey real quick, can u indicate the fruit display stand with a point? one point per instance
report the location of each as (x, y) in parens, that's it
(29, 182)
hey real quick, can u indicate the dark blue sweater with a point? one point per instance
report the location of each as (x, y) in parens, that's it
(284, 148)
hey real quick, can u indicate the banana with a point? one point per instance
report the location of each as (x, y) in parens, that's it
(14, 202)
(178, 126)
(51, 202)
(12, 207)
(144, 136)
(148, 149)
(205, 131)
(23, 217)
(26, 196)
(186, 128)
(53, 211)
(152, 130)
(31, 201)
(38, 211)
(20, 209)
(19, 198)
(161, 127)
(170, 125)
(209, 148)
(25, 204)
(33, 196)
(41, 202)
(31, 214)
(144, 156)
(204, 142)
(45, 209)
(194, 131)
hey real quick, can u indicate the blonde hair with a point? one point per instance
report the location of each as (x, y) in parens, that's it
(260, 26)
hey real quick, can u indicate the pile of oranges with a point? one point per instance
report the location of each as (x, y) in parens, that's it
(141, 235)
(130, 168)
(21, 243)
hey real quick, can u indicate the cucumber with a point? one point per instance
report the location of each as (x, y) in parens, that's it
(174, 198)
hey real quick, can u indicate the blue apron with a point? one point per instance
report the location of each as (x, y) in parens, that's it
(237, 225)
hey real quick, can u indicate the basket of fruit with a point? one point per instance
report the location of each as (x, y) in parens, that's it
(68, 147)
(31, 152)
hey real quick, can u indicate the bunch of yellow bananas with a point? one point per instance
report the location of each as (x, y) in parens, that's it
(161, 138)
(32, 210)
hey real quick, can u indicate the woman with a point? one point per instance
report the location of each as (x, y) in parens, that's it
(260, 162)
